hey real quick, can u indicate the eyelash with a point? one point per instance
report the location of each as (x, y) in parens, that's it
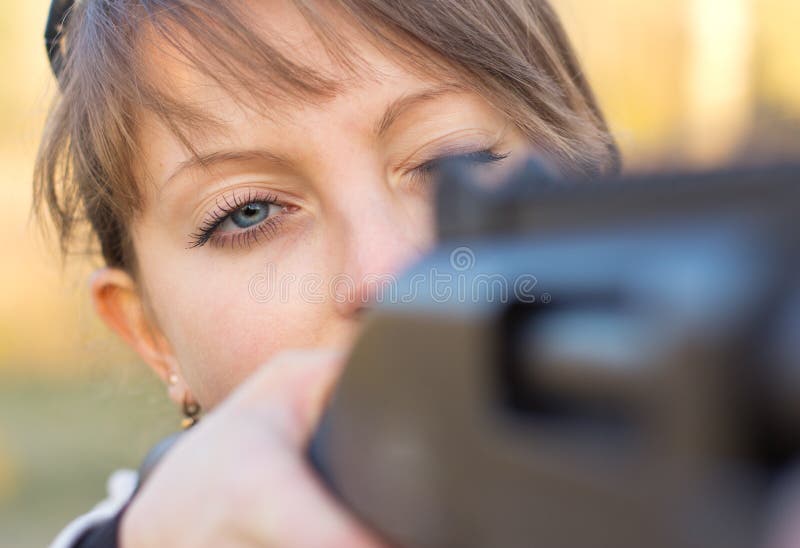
(422, 174)
(269, 227)
(208, 231)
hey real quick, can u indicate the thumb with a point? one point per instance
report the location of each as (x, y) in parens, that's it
(291, 390)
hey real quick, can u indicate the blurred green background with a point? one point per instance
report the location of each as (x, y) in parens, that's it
(693, 83)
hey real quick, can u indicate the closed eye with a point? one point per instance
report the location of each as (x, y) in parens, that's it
(425, 173)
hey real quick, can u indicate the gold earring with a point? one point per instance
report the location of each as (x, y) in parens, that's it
(191, 412)
(172, 379)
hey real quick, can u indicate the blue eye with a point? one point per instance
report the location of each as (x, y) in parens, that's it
(250, 215)
(240, 219)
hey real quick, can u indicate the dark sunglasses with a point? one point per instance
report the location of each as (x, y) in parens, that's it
(56, 20)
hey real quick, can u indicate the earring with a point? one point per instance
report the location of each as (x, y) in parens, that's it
(191, 412)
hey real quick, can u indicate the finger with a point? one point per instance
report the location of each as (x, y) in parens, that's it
(306, 512)
(284, 400)
(291, 390)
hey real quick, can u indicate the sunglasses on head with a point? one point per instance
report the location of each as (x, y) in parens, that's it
(56, 20)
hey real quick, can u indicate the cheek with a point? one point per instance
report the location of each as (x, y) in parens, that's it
(421, 222)
(240, 311)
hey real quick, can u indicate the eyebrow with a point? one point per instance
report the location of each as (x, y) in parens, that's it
(400, 105)
(207, 161)
(392, 113)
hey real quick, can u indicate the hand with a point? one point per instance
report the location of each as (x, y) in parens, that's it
(240, 477)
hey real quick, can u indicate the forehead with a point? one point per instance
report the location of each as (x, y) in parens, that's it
(265, 58)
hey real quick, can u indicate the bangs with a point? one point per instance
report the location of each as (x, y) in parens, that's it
(149, 46)
(145, 48)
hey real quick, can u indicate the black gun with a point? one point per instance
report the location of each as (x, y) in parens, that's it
(607, 363)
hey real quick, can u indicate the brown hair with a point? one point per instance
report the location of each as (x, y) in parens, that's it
(512, 52)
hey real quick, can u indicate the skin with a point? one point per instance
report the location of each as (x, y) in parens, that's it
(350, 204)
(356, 206)
(262, 370)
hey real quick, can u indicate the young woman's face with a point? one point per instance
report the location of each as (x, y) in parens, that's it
(274, 241)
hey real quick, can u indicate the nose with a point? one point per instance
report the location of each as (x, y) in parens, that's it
(377, 240)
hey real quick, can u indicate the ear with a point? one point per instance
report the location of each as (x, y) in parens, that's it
(118, 301)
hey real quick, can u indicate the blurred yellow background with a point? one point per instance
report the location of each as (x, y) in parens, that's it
(693, 83)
